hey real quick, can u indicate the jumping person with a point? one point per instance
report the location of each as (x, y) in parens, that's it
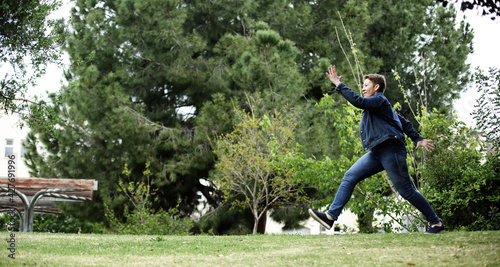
(382, 134)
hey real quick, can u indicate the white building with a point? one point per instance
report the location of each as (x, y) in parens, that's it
(312, 227)
(12, 138)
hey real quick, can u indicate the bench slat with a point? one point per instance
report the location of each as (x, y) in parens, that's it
(46, 183)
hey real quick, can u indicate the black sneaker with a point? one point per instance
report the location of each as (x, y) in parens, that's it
(321, 218)
(436, 229)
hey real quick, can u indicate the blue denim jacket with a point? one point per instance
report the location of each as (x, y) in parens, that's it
(379, 122)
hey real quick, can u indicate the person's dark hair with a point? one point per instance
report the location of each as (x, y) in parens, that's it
(377, 79)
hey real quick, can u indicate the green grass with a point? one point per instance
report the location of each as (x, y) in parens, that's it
(449, 249)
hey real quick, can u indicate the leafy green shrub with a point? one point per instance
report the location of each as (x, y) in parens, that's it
(143, 219)
(8, 223)
(149, 222)
(459, 179)
(60, 223)
(225, 220)
(55, 223)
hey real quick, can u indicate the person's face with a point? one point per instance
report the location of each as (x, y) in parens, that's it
(369, 89)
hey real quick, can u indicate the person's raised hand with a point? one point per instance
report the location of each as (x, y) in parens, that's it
(332, 74)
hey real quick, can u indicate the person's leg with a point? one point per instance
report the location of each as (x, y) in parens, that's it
(392, 155)
(363, 168)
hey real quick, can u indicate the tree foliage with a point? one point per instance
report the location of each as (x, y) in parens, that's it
(461, 183)
(435, 48)
(129, 74)
(29, 40)
(247, 163)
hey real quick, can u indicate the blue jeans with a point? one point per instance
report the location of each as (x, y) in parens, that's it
(391, 157)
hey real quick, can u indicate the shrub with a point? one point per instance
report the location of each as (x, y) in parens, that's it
(143, 219)
(61, 223)
(149, 222)
(459, 179)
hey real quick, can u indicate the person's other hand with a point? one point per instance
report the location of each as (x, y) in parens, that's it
(426, 144)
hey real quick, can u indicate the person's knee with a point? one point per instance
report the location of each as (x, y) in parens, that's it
(349, 178)
(407, 193)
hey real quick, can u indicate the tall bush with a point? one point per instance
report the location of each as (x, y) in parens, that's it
(459, 179)
(142, 218)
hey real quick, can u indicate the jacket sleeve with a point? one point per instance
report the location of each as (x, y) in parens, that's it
(409, 130)
(359, 101)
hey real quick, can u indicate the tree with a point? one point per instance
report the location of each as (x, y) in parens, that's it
(487, 112)
(27, 34)
(386, 39)
(429, 53)
(261, 65)
(247, 163)
(98, 134)
(120, 106)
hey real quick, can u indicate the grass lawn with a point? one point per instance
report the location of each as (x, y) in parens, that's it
(416, 249)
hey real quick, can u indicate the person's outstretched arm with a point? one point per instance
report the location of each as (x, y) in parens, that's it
(373, 102)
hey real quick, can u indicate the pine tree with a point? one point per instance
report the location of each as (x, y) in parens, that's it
(132, 69)
(426, 47)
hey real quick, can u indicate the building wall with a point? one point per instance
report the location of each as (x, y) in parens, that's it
(312, 227)
(12, 137)
(346, 221)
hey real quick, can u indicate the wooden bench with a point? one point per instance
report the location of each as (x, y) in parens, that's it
(28, 196)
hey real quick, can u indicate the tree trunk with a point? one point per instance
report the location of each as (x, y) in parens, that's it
(365, 221)
(255, 225)
(261, 228)
(259, 225)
